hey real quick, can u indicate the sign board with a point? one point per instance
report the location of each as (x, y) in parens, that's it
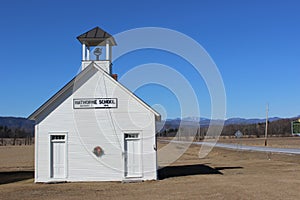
(95, 103)
(296, 128)
(238, 134)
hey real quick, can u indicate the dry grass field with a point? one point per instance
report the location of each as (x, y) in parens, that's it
(223, 174)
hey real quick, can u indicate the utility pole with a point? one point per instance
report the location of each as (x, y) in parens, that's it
(266, 131)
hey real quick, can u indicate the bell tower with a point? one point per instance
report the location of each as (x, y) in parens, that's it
(97, 47)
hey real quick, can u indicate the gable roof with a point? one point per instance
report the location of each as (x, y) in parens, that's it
(57, 98)
(96, 37)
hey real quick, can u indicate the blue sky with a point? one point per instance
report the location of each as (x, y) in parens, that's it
(255, 45)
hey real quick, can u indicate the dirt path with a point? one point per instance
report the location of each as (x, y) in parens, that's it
(276, 142)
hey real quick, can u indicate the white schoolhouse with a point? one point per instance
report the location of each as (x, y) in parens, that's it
(94, 129)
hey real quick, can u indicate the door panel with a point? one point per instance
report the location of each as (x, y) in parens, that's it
(58, 159)
(133, 167)
(58, 156)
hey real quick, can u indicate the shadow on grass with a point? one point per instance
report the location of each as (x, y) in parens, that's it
(188, 170)
(224, 168)
(11, 177)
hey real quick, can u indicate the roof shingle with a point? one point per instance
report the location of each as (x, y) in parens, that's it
(96, 37)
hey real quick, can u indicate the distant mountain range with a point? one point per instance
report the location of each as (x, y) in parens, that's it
(206, 121)
(17, 123)
(192, 121)
(249, 121)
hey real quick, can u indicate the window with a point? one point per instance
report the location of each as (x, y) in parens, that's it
(131, 135)
(57, 137)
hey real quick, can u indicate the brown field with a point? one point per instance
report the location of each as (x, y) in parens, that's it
(223, 174)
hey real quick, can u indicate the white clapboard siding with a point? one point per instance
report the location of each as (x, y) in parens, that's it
(88, 128)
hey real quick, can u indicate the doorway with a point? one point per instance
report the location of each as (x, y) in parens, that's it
(58, 156)
(132, 158)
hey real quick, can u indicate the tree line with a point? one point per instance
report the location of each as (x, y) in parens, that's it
(14, 136)
(6, 132)
(280, 127)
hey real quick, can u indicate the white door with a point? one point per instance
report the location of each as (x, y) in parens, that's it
(58, 151)
(133, 164)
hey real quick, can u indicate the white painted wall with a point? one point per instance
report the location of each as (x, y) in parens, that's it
(88, 128)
